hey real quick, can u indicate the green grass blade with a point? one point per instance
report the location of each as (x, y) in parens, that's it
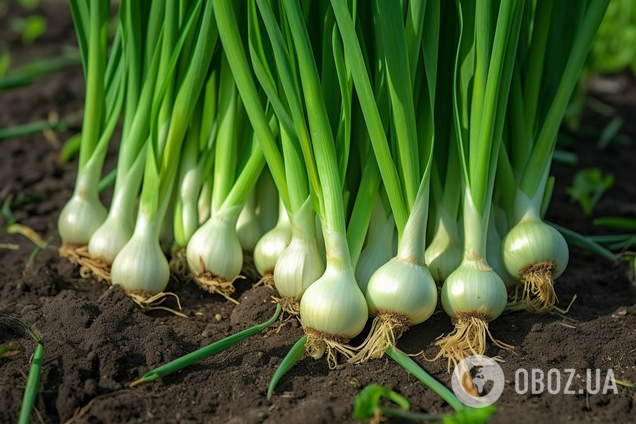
(296, 352)
(30, 128)
(585, 243)
(618, 223)
(31, 389)
(205, 352)
(107, 181)
(412, 367)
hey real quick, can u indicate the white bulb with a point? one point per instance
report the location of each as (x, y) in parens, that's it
(377, 252)
(404, 287)
(141, 264)
(532, 242)
(334, 305)
(271, 246)
(216, 247)
(469, 289)
(248, 227)
(302, 262)
(81, 217)
(110, 238)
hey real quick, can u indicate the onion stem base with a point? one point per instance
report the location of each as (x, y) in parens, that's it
(212, 283)
(147, 302)
(179, 269)
(249, 268)
(468, 338)
(387, 328)
(267, 280)
(535, 292)
(89, 265)
(319, 342)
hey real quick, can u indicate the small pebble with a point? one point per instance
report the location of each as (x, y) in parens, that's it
(218, 317)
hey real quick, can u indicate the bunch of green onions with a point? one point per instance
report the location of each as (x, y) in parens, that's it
(294, 141)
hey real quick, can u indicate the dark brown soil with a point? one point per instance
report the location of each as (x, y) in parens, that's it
(96, 340)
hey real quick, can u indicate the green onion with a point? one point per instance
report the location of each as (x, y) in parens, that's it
(473, 294)
(141, 267)
(84, 213)
(533, 252)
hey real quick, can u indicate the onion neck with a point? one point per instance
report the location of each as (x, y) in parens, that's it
(475, 233)
(529, 208)
(412, 244)
(337, 250)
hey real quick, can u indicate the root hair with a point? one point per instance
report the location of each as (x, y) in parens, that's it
(468, 338)
(387, 328)
(89, 264)
(319, 342)
(212, 283)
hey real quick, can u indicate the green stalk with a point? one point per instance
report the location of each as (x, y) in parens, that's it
(233, 48)
(294, 354)
(33, 382)
(96, 66)
(401, 91)
(353, 54)
(205, 352)
(546, 140)
(412, 367)
(322, 138)
(226, 139)
(286, 74)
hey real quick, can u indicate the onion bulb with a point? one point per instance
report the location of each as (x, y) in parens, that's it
(444, 253)
(333, 309)
(248, 227)
(141, 267)
(302, 262)
(535, 254)
(81, 216)
(402, 292)
(270, 247)
(379, 246)
(473, 294)
(214, 253)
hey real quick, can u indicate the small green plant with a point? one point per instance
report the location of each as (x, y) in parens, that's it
(29, 4)
(367, 407)
(5, 61)
(588, 185)
(31, 27)
(12, 328)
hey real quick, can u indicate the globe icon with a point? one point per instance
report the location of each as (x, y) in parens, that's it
(478, 381)
(483, 375)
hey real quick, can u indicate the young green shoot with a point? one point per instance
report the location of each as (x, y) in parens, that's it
(205, 352)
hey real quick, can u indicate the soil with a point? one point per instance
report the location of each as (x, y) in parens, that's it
(96, 341)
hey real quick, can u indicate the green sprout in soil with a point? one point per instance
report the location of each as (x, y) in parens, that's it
(14, 328)
(205, 352)
(367, 407)
(588, 185)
